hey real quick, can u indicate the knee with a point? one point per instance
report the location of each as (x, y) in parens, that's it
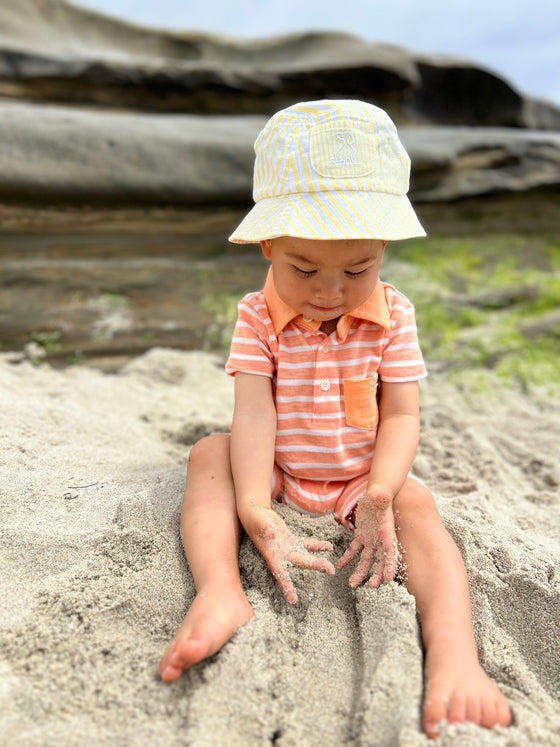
(209, 449)
(415, 502)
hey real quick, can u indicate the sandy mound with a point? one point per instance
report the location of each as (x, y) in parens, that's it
(94, 582)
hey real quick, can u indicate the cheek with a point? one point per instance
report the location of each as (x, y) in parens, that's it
(298, 292)
(290, 288)
(361, 290)
(295, 284)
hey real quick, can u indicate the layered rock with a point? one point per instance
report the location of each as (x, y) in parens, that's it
(74, 155)
(132, 121)
(51, 50)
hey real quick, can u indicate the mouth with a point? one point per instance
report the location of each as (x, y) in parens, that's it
(324, 309)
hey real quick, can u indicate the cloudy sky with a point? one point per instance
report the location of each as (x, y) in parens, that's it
(518, 39)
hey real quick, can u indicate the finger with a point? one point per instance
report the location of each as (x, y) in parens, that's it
(362, 568)
(349, 555)
(386, 567)
(311, 563)
(314, 545)
(283, 577)
(390, 565)
(377, 578)
(289, 591)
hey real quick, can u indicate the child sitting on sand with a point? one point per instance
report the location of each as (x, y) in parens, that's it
(326, 364)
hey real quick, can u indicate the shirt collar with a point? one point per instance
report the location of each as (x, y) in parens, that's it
(374, 309)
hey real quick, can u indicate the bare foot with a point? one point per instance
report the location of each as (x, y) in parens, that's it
(212, 619)
(462, 691)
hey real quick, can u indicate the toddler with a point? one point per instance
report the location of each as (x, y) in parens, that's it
(326, 364)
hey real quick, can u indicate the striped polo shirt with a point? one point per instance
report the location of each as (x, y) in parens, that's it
(325, 386)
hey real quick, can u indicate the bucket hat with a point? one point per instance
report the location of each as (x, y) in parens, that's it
(330, 169)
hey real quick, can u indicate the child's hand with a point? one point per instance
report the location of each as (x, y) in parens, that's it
(374, 539)
(282, 549)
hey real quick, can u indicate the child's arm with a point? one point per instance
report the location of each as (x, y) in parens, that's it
(395, 448)
(253, 435)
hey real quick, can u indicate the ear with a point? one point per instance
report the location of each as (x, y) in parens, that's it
(266, 247)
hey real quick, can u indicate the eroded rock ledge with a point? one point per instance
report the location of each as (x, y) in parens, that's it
(53, 51)
(69, 154)
(97, 110)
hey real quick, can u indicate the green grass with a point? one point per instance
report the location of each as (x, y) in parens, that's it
(474, 298)
(49, 340)
(222, 307)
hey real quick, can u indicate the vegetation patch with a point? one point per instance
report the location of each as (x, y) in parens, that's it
(485, 304)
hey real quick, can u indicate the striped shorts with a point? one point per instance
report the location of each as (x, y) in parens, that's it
(315, 497)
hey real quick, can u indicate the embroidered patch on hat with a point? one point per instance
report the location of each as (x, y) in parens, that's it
(342, 150)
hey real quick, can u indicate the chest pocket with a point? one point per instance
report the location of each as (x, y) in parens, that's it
(360, 402)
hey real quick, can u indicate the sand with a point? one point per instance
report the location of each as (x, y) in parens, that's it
(94, 582)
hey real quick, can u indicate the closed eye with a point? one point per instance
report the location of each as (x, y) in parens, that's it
(304, 273)
(354, 274)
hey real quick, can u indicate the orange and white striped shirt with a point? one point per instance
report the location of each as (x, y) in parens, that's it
(325, 386)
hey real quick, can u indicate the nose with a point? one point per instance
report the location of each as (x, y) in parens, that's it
(328, 289)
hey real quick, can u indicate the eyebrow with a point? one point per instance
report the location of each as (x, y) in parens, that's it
(302, 258)
(363, 261)
(299, 258)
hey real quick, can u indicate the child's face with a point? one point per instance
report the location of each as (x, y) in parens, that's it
(323, 280)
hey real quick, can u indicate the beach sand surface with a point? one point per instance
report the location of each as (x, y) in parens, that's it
(94, 582)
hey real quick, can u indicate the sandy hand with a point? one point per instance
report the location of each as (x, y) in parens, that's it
(282, 549)
(374, 540)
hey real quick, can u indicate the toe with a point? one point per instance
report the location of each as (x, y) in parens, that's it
(434, 713)
(457, 711)
(169, 673)
(489, 715)
(504, 713)
(473, 710)
(183, 655)
(495, 712)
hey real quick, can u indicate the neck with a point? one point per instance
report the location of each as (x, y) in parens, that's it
(329, 326)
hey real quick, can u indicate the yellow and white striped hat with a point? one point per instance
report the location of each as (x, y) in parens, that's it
(330, 170)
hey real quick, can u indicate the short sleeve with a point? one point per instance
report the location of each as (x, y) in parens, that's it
(250, 350)
(402, 358)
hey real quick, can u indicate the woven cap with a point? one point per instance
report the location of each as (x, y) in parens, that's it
(330, 170)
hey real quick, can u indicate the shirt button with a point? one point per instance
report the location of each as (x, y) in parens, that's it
(325, 348)
(307, 319)
(325, 385)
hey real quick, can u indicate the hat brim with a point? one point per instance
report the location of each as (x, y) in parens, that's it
(330, 215)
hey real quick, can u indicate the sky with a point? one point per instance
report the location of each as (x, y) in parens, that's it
(517, 39)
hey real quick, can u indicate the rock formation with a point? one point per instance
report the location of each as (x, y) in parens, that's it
(73, 155)
(159, 117)
(53, 51)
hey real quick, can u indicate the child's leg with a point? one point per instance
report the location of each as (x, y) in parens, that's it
(210, 532)
(457, 688)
